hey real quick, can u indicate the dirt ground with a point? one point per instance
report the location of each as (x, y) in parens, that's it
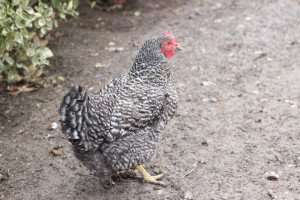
(238, 80)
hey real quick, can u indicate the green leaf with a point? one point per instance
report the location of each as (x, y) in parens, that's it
(13, 76)
(55, 3)
(62, 15)
(35, 61)
(9, 60)
(70, 5)
(20, 66)
(46, 52)
(41, 22)
(43, 32)
(3, 67)
(93, 3)
(19, 38)
(30, 52)
(29, 10)
(16, 2)
(4, 32)
(55, 23)
(19, 22)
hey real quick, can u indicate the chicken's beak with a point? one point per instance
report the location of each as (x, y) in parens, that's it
(179, 47)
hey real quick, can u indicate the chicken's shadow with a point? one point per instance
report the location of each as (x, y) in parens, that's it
(91, 186)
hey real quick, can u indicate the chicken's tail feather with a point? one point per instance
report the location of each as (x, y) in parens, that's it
(71, 113)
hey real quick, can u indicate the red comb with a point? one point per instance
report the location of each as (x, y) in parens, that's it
(169, 34)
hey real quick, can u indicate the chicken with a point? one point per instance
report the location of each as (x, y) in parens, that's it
(117, 129)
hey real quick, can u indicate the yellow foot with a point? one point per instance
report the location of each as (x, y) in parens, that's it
(148, 178)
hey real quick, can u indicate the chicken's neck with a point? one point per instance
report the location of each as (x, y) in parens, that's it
(153, 72)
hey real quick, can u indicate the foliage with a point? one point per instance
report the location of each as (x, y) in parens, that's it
(23, 27)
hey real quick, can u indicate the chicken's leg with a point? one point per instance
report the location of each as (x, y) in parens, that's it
(148, 178)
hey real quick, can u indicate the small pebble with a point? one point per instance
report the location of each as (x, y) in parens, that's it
(111, 44)
(271, 194)
(211, 100)
(207, 83)
(95, 54)
(218, 21)
(272, 176)
(290, 102)
(115, 49)
(217, 5)
(258, 121)
(99, 65)
(57, 151)
(61, 78)
(204, 143)
(159, 192)
(188, 195)
(248, 18)
(49, 136)
(197, 12)
(53, 126)
(137, 13)
(21, 131)
(3, 176)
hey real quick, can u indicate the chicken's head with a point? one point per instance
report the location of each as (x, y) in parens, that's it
(169, 45)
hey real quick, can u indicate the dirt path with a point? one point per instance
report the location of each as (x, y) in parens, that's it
(239, 86)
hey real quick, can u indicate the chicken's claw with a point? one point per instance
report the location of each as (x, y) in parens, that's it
(148, 178)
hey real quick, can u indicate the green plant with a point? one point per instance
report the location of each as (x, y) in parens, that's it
(23, 27)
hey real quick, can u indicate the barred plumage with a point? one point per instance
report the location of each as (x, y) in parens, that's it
(118, 128)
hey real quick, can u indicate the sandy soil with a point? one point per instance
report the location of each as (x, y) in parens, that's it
(238, 80)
